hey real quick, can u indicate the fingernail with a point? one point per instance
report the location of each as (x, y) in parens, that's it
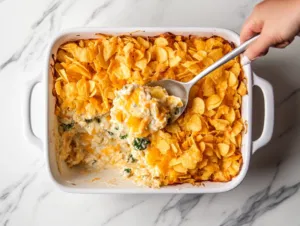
(245, 60)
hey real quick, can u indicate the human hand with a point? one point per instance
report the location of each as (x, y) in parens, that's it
(278, 22)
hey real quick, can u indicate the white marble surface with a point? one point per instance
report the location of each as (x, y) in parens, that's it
(269, 195)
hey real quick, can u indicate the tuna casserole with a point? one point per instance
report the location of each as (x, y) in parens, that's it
(109, 117)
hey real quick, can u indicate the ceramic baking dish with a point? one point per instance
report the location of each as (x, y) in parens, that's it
(71, 180)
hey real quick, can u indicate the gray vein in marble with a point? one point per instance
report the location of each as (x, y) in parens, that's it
(52, 22)
(40, 199)
(243, 11)
(43, 196)
(16, 56)
(7, 191)
(213, 196)
(5, 223)
(259, 203)
(98, 10)
(292, 94)
(69, 6)
(39, 41)
(185, 205)
(122, 212)
(14, 203)
(34, 39)
(51, 8)
(161, 213)
(286, 131)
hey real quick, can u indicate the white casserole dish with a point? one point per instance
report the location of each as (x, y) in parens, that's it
(71, 180)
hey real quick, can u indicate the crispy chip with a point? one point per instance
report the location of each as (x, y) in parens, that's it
(237, 128)
(161, 54)
(242, 90)
(208, 87)
(230, 116)
(174, 61)
(198, 106)
(223, 148)
(194, 123)
(180, 169)
(236, 69)
(219, 124)
(161, 42)
(110, 47)
(232, 80)
(213, 102)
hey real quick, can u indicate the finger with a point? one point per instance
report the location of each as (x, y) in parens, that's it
(282, 45)
(260, 47)
(250, 29)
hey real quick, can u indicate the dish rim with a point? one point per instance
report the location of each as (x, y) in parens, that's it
(169, 189)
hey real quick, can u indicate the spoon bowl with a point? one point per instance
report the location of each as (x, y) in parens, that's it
(175, 88)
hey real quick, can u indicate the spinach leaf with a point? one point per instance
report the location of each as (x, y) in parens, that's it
(67, 127)
(123, 136)
(127, 170)
(131, 159)
(176, 111)
(110, 133)
(98, 119)
(141, 143)
(88, 120)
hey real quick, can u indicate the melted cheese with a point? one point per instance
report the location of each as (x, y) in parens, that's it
(142, 110)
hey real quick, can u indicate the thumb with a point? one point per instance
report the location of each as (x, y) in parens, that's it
(260, 47)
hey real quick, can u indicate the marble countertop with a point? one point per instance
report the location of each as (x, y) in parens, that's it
(269, 195)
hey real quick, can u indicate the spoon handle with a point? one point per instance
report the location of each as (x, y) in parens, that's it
(223, 60)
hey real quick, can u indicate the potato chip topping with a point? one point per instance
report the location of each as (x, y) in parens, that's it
(99, 86)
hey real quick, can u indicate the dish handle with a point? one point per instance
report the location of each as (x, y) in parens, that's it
(268, 94)
(28, 132)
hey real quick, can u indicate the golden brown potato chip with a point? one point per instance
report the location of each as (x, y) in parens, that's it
(237, 128)
(208, 87)
(236, 69)
(143, 42)
(161, 42)
(161, 54)
(174, 61)
(78, 68)
(223, 148)
(200, 44)
(194, 123)
(180, 169)
(212, 102)
(232, 80)
(219, 124)
(163, 146)
(242, 90)
(230, 116)
(200, 55)
(141, 64)
(202, 146)
(110, 47)
(198, 106)
(216, 54)
(58, 88)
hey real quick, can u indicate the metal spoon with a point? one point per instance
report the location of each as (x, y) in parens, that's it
(182, 89)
